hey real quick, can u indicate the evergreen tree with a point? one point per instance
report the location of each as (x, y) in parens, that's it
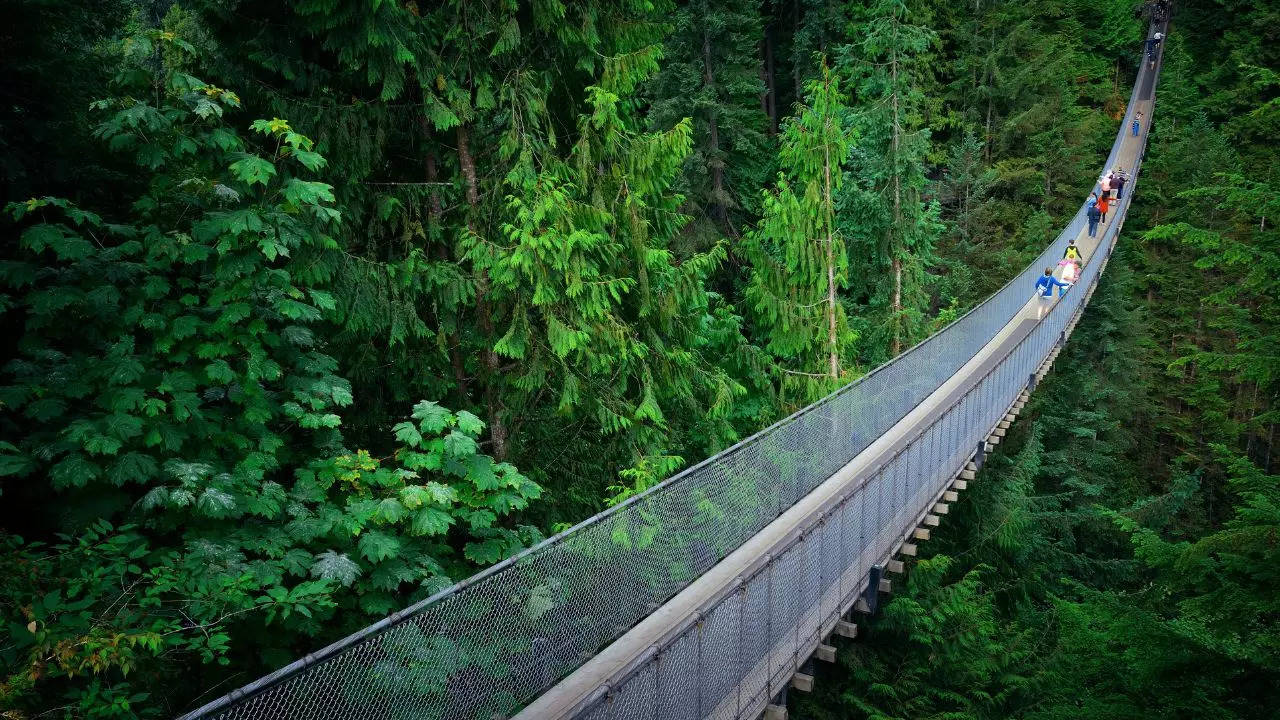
(894, 225)
(797, 253)
(173, 401)
(710, 73)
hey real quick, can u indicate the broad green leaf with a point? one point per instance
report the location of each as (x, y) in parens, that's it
(408, 434)
(432, 418)
(469, 424)
(459, 445)
(430, 521)
(378, 546)
(331, 565)
(252, 169)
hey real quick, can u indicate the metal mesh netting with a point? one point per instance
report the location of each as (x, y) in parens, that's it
(860, 529)
(487, 646)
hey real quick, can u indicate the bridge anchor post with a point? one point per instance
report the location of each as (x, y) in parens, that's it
(871, 596)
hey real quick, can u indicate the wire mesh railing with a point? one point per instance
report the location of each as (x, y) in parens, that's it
(729, 660)
(488, 645)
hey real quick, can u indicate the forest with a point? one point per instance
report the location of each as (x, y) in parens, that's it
(313, 309)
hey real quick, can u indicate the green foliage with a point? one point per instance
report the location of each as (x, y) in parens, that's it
(938, 652)
(710, 73)
(885, 209)
(549, 218)
(90, 611)
(797, 252)
(169, 372)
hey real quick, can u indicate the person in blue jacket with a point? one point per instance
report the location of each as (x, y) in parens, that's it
(1093, 213)
(1044, 287)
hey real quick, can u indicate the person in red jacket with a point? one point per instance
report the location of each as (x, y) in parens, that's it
(1104, 204)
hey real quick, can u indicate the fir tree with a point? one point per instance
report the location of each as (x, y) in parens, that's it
(798, 256)
(710, 73)
(895, 226)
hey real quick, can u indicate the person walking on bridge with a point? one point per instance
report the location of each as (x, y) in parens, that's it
(1044, 287)
(1093, 215)
(1070, 262)
(1117, 182)
(1104, 204)
(1137, 123)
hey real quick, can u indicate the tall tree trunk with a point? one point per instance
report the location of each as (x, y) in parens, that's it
(831, 277)
(764, 72)
(714, 160)
(990, 79)
(895, 231)
(798, 58)
(493, 399)
(770, 82)
(829, 208)
(435, 214)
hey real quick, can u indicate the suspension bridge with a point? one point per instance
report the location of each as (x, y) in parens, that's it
(711, 594)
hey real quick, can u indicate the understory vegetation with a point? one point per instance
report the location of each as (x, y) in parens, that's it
(313, 309)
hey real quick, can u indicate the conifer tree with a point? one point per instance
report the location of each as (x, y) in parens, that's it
(798, 257)
(895, 227)
(710, 73)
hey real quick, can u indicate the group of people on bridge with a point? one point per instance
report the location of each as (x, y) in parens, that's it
(1158, 9)
(1110, 191)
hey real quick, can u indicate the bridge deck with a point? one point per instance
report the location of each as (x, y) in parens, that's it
(764, 551)
(570, 696)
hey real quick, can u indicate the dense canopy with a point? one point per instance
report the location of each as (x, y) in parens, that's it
(311, 309)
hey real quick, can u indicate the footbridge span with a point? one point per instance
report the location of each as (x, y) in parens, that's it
(707, 595)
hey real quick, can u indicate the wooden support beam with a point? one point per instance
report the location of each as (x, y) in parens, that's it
(921, 534)
(896, 566)
(931, 520)
(908, 549)
(885, 586)
(993, 440)
(825, 653)
(775, 712)
(950, 496)
(846, 629)
(960, 484)
(990, 448)
(998, 432)
(941, 508)
(968, 474)
(1004, 424)
(802, 682)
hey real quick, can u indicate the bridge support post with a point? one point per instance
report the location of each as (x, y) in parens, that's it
(780, 700)
(871, 596)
